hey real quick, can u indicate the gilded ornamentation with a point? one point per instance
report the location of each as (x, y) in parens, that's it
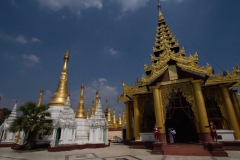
(239, 98)
(154, 74)
(227, 77)
(214, 93)
(122, 98)
(187, 92)
(143, 99)
(127, 90)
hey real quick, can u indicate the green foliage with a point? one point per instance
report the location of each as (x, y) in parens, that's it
(33, 121)
(6, 113)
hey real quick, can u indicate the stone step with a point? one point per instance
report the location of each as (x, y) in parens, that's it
(185, 149)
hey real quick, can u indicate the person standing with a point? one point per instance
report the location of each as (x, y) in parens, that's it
(173, 132)
(213, 131)
(171, 140)
(156, 133)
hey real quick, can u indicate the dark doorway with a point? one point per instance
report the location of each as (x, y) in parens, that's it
(58, 136)
(180, 117)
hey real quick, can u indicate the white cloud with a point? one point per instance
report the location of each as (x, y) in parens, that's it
(132, 5)
(32, 57)
(21, 39)
(35, 40)
(47, 95)
(112, 51)
(74, 5)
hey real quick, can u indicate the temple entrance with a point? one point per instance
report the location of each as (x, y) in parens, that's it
(180, 117)
(58, 135)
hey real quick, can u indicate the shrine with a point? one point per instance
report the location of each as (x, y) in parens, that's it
(175, 92)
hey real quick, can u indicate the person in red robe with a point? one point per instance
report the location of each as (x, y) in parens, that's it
(156, 133)
(213, 131)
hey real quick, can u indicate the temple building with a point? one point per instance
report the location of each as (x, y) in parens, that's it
(175, 92)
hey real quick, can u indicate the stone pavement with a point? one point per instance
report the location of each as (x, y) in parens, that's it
(116, 151)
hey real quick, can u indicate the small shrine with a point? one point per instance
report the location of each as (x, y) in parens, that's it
(98, 127)
(64, 127)
(7, 137)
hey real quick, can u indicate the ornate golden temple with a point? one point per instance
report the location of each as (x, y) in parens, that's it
(175, 92)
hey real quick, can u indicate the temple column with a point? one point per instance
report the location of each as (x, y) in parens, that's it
(128, 124)
(230, 111)
(201, 109)
(233, 94)
(136, 118)
(158, 108)
(198, 131)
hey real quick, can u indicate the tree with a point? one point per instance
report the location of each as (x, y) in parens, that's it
(5, 113)
(33, 121)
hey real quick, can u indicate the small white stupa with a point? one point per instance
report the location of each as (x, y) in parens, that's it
(7, 137)
(64, 127)
(98, 127)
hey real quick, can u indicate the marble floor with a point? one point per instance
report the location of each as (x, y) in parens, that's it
(116, 151)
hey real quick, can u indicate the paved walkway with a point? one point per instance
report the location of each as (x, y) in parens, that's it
(114, 152)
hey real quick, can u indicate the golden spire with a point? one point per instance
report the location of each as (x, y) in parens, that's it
(80, 111)
(114, 119)
(123, 118)
(160, 15)
(93, 108)
(61, 94)
(120, 124)
(97, 100)
(40, 98)
(87, 116)
(108, 112)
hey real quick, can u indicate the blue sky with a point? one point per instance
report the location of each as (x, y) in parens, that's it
(108, 42)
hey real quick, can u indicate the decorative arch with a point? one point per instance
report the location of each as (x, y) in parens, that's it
(187, 92)
(214, 93)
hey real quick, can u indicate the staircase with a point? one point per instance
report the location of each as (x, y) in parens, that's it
(185, 150)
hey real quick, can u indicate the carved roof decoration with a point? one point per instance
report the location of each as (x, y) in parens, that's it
(165, 52)
(122, 98)
(228, 77)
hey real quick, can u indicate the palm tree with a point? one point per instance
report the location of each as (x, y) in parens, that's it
(33, 121)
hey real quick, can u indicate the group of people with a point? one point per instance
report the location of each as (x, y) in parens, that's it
(172, 133)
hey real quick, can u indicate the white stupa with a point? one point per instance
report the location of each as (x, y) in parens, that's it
(6, 136)
(98, 127)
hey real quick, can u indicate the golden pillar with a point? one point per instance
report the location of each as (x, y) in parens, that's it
(136, 118)
(201, 109)
(128, 124)
(198, 131)
(236, 105)
(157, 98)
(230, 111)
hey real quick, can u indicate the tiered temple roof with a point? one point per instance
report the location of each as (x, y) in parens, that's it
(166, 52)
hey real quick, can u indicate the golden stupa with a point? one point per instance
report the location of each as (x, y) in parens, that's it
(61, 94)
